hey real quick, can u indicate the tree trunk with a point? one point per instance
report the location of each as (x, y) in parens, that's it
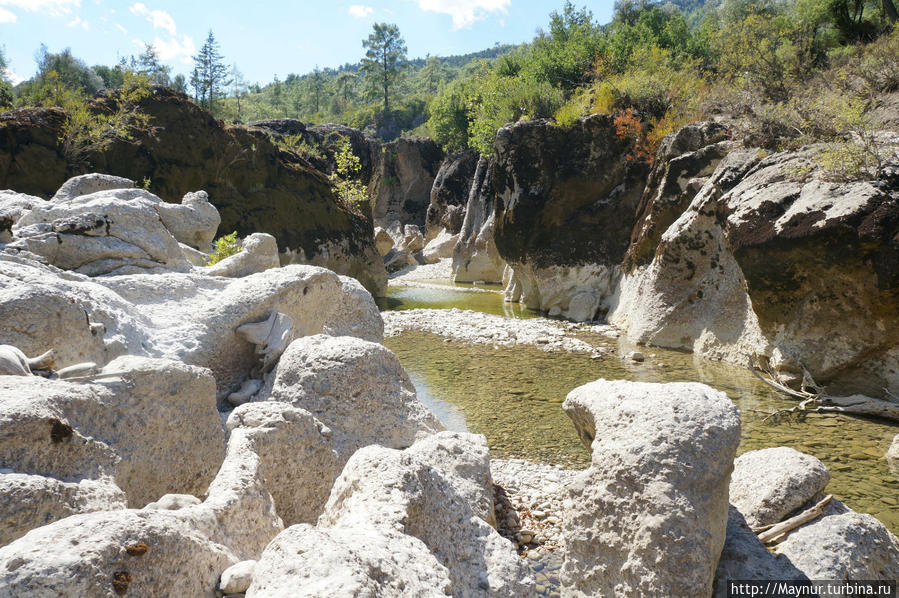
(890, 9)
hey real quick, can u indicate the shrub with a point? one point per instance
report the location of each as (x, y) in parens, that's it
(349, 189)
(224, 247)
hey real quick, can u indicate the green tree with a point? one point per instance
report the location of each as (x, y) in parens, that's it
(5, 89)
(71, 71)
(239, 88)
(148, 65)
(210, 75)
(315, 84)
(433, 74)
(384, 59)
(179, 83)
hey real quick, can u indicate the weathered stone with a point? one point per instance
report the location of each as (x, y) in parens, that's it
(30, 501)
(194, 221)
(450, 193)
(356, 388)
(769, 484)
(237, 578)
(648, 517)
(13, 362)
(174, 502)
(566, 200)
(151, 425)
(363, 562)
(763, 262)
(258, 253)
(87, 184)
(402, 178)
(440, 247)
(841, 545)
(464, 461)
(355, 313)
(383, 241)
(104, 232)
(745, 557)
(413, 240)
(397, 491)
(475, 257)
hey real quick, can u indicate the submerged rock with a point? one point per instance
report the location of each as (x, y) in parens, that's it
(648, 517)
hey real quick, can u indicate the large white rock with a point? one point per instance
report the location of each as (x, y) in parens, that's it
(767, 485)
(194, 221)
(843, 544)
(464, 460)
(308, 562)
(259, 252)
(475, 256)
(440, 247)
(30, 501)
(579, 293)
(383, 241)
(296, 461)
(393, 521)
(237, 578)
(86, 184)
(648, 517)
(151, 425)
(357, 388)
(745, 557)
(107, 231)
(355, 313)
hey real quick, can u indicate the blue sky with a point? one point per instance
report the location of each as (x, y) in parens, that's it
(264, 38)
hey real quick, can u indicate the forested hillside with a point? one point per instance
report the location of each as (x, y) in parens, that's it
(780, 70)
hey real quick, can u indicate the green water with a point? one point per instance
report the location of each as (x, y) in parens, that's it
(513, 396)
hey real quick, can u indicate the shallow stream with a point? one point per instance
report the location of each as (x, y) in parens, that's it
(513, 396)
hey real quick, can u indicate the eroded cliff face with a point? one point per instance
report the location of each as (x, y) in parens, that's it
(449, 193)
(566, 200)
(771, 260)
(256, 186)
(402, 176)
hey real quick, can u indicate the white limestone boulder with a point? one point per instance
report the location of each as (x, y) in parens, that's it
(744, 557)
(86, 184)
(464, 460)
(237, 578)
(383, 241)
(194, 221)
(258, 253)
(30, 501)
(355, 313)
(769, 484)
(308, 562)
(843, 544)
(357, 388)
(107, 231)
(440, 247)
(150, 425)
(406, 508)
(648, 517)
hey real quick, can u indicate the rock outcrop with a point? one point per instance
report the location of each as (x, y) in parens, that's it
(402, 177)
(475, 257)
(383, 533)
(763, 262)
(257, 185)
(769, 484)
(648, 517)
(355, 387)
(566, 202)
(449, 195)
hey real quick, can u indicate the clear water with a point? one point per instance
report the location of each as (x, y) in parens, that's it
(513, 396)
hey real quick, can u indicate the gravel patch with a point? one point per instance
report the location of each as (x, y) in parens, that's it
(488, 329)
(442, 270)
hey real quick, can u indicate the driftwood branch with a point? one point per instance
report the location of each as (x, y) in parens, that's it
(816, 400)
(777, 532)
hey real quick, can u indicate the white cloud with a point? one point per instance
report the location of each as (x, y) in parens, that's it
(465, 12)
(122, 29)
(173, 49)
(359, 11)
(12, 77)
(53, 8)
(79, 22)
(159, 18)
(7, 17)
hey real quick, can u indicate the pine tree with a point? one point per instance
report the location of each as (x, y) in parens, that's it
(384, 59)
(209, 76)
(148, 64)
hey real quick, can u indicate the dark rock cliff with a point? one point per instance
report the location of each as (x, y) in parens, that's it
(256, 186)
